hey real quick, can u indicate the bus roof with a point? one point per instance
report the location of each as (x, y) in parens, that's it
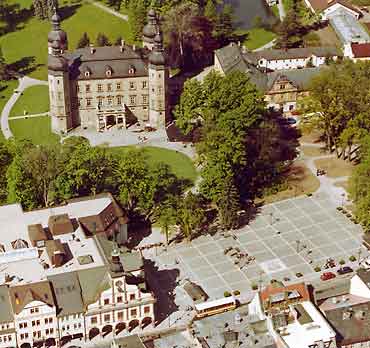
(209, 304)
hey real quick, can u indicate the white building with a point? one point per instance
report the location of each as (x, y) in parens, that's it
(326, 7)
(294, 58)
(63, 278)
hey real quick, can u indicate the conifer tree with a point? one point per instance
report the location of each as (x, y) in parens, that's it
(84, 41)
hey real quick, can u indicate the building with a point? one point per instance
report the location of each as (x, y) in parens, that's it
(63, 277)
(293, 318)
(346, 306)
(327, 7)
(282, 88)
(103, 87)
(358, 51)
(294, 58)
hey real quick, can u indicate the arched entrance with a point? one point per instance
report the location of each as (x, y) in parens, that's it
(25, 345)
(50, 342)
(110, 120)
(120, 327)
(65, 339)
(133, 324)
(106, 330)
(93, 333)
(146, 321)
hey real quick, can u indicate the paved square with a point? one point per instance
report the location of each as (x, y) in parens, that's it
(267, 248)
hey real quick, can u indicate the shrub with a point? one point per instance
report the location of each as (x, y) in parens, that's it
(342, 262)
(348, 215)
(352, 258)
(227, 294)
(309, 194)
(254, 287)
(317, 269)
(236, 292)
(339, 208)
(299, 275)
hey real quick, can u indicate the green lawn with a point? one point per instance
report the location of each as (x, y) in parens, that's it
(275, 11)
(258, 37)
(181, 165)
(34, 100)
(37, 129)
(30, 42)
(287, 4)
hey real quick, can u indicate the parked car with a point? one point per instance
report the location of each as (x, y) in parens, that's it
(291, 120)
(345, 270)
(327, 276)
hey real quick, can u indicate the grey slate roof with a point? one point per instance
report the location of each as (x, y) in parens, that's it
(132, 341)
(68, 293)
(6, 311)
(324, 291)
(231, 59)
(353, 329)
(299, 77)
(292, 53)
(93, 281)
(82, 60)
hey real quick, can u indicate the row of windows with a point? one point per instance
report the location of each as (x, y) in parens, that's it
(34, 310)
(24, 336)
(4, 327)
(23, 325)
(109, 86)
(5, 338)
(74, 316)
(132, 297)
(110, 100)
(107, 317)
(75, 326)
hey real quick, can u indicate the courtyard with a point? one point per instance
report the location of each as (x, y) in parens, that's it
(288, 240)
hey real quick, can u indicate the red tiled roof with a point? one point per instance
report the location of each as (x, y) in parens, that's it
(361, 50)
(320, 5)
(271, 290)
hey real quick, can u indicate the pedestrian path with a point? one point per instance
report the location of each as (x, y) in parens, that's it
(108, 10)
(23, 83)
(29, 116)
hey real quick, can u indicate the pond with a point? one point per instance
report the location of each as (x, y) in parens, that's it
(246, 10)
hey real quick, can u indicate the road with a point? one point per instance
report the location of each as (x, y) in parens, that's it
(267, 46)
(24, 83)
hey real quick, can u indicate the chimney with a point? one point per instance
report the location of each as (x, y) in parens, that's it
(122, 43)
(134, 47)
(335, 300)
(92, 49)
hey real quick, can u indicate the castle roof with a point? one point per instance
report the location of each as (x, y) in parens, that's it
(95, 60)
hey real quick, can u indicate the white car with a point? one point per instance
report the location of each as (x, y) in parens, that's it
(365, 264)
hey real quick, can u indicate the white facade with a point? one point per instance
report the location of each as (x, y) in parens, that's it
(7, 335)
(337, 6)
(294, 63)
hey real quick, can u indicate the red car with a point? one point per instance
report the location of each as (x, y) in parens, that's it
(327, 276)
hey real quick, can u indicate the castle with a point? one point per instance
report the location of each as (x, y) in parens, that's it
(103, 87)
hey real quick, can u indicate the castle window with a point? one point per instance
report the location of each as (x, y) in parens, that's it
(106, 317)
(109, 87)
(132, 85)
(119, 100)
(119, 299)
(94, 320)
(79, 102)
(78, 88)
(132, 297)
(160, 90)
(87, 73)
(145, 99)
(108, 73)
(132, 99)
(282, 86)
(109, 100)
(106, 301)
(133, 312)
(88, 101)
(144, 84)
(146, 309)
(131, 70)
(100, 101)
(100, 88)
(118, 86)
(120, 315)
(87, 88)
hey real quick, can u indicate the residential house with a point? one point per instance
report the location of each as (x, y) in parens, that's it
(327, 7)
(358, 51)
(293, 58)
(7, 329)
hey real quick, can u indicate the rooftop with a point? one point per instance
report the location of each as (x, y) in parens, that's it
(320, 5)
(361, 50)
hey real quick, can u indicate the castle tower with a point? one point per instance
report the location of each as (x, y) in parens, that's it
(158, 77)
(150, 30)
(58, 78)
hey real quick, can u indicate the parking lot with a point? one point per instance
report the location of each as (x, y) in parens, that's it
(286, 238)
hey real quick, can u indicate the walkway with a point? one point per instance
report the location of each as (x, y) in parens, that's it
(108, 10)
(24, 83)
(281, 10)
(267, 46)
(29, 116)
(337, 194)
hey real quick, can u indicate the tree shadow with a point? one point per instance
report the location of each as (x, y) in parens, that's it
(24, 66)
(137, 231)
(68, 11)
(162, 283)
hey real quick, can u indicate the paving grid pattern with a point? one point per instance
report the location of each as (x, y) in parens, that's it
(322, 231)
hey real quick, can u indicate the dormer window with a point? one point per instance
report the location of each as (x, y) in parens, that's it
(131, 70)
(108, 71)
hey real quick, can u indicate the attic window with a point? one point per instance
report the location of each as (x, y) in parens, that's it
(108, 72)
(131, 70)
(87, 73)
